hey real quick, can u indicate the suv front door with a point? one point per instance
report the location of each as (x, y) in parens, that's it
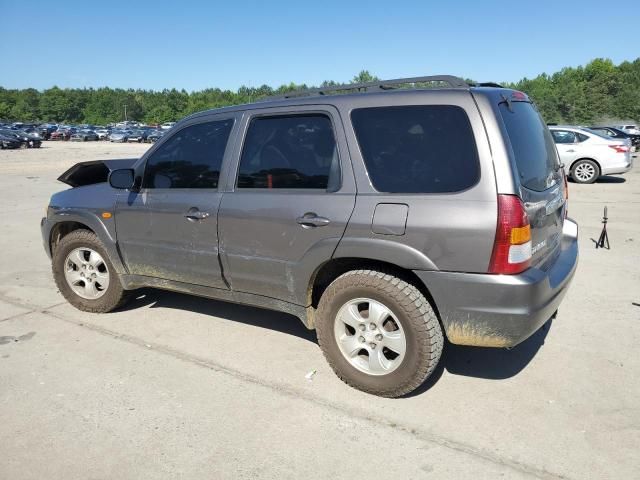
(289, 200)
(169, 228)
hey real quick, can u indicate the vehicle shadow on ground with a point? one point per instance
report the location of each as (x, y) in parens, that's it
(488, 363)
(610, 179)
(258, 317)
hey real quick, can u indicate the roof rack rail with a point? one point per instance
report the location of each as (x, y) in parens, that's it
(453, 82)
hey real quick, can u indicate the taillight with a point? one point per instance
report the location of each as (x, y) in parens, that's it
(512, 247)
(620, 148)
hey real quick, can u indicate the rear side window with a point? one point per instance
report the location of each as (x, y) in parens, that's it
(564, 136)
(417, 149)
(191, 158)
(297, 151)
(533, 147)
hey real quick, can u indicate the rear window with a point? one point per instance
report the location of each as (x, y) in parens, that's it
(533, 147)
(417, 149)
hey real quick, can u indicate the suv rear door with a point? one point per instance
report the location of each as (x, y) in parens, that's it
(537, 167)
(289, 200)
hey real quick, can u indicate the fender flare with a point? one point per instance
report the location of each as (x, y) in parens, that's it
(94, 222)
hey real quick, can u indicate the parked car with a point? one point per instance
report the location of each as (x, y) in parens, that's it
(84, 136)
(119, 136)
(31, 135)
(629, 128)
(21, 138)
(616, 133)
(46, 130)
(384, 220)
(63, 133)
(103, 133)
(167, 125)
(138, 135)
(9, 142)
(587, 155)
(155, 135)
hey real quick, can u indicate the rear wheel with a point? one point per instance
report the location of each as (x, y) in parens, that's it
(585, 171)
(84, 274)
(378, 333)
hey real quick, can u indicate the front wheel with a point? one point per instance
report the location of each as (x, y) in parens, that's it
(585, 171)
(84, 274)
(378, 333)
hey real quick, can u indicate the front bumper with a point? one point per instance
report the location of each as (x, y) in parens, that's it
(502, 310)
(45, 230)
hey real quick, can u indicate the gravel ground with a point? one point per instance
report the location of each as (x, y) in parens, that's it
(176, 386)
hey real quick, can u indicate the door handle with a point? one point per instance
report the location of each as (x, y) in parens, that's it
(570, 151)
(311, 219)
(195, 215)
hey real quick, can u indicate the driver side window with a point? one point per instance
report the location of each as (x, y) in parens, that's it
(191, 158)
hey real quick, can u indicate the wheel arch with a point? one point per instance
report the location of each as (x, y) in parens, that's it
(585, 158)
(65, 222)
(326, 273)
(62, 229)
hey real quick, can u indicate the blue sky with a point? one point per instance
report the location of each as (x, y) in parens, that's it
(200, 44)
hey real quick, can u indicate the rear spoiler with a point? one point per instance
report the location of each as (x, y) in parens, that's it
(96, 171)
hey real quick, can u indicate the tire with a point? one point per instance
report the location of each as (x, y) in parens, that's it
(585, 171)
(106, 299)
(410, 317)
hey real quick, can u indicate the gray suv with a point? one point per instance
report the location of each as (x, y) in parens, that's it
(387, 218)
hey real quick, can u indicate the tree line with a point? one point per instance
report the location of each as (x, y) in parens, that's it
(598, 92)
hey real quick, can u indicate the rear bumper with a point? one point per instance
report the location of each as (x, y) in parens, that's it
(618, 168)
(502, 310)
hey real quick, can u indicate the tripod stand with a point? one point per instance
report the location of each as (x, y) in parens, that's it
(604, 236)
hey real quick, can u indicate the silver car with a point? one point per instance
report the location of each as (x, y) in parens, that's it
(587, 155)
(630, 128)
(119, 136)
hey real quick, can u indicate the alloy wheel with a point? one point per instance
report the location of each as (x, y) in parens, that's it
(86, 273)
(369, 336)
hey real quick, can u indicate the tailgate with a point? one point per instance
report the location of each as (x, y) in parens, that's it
(539, 172)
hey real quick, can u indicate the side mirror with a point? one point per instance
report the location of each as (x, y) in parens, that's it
(122, 178)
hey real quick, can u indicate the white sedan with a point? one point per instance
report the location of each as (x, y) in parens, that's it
(587, 155)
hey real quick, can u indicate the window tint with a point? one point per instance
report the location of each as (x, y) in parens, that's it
(535, 154)
(296, 151)
(417, 149)
(582, 137)
(191, 158)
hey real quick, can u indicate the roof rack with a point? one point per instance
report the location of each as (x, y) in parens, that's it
(453, 82)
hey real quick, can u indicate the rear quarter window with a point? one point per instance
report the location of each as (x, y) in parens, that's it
(417, 149)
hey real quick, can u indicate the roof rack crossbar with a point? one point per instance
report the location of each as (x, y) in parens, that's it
(453, 82)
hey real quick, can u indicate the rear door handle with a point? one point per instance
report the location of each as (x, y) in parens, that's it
(195, 215)
(311, 219)
(570, 151)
